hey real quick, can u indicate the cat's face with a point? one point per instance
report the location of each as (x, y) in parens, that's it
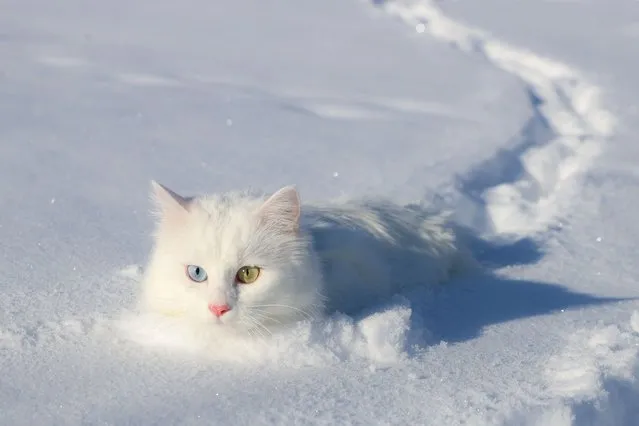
(231, 260)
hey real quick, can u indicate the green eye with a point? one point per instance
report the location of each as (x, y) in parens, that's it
(247, 274)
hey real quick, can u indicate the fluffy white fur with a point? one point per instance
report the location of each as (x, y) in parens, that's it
(313, 259)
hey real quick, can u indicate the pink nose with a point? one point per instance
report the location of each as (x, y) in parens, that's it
(219, 310)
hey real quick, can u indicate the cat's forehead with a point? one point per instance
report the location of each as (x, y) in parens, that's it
(229, 205)
(221, 226)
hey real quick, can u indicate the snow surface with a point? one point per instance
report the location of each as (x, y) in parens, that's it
(521, 116)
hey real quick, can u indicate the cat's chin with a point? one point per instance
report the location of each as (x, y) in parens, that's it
(237, 325)
(209, 328)
(230, 322)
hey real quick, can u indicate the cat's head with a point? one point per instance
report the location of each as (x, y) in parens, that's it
(231, 260)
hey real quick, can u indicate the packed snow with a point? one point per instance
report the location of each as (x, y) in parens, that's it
(520, 117)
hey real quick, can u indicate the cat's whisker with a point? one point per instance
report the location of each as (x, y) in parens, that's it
(249, 324)
(256, 322)
(254, 332)
(250, 333)
(264, 318)
(260, 332)
(301, 311)
(263, 315)
(263, 327)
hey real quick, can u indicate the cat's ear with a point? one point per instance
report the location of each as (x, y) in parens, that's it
(168, 202)
(282, 210)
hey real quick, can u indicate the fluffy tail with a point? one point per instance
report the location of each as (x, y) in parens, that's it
(451, 238)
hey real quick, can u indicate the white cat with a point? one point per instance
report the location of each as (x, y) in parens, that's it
(246, 262)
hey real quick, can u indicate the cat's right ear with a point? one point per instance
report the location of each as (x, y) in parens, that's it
(282, 209)
(168, 203)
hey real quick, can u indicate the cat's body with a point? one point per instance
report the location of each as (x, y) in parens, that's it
(256, 262)
(370, 250)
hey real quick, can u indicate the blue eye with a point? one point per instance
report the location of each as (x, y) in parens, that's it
(196, 273)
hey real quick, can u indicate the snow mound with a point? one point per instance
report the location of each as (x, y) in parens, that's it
(8, 339)
(380, 338)
(47, 334)
(519, 191)
(595, 379)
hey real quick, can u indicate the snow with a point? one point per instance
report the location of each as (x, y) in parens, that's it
(519, 116)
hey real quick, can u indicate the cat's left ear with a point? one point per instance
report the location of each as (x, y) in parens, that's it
(169, 202)
(282, 209)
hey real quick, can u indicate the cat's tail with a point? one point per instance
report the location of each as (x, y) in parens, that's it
(451, 240)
